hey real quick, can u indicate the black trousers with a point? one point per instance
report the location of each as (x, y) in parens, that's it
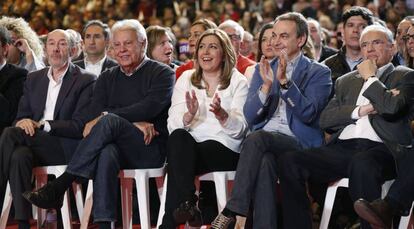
(367, 164)
(19, 153)
(186, 158)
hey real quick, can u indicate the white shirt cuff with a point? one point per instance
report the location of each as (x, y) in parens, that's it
(370, 80)
(47, 127)
(355, 113)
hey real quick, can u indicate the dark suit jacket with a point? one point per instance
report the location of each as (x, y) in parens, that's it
(392, 122)
(326, 52)
(108, 63)
(11, 89)
(71, 110)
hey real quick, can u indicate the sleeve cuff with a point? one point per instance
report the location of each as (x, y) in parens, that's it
(355, 113)
(47, 127)
(371, 80)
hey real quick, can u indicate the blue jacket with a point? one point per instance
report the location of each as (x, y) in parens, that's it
(305, 99)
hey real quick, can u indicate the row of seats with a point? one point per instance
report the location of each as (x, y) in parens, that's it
(141, 177)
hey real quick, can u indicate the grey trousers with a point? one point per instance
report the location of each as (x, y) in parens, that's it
(256, 176)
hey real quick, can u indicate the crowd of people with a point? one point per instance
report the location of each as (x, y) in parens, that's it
(273, 98)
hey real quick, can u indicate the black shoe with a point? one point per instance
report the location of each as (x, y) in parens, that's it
(188, 212)
(46, 197)
(378, 213)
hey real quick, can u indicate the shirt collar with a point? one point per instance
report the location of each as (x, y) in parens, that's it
(3, 64)
(60, 78)
(100, 62)
(145, 60)
(382, 69)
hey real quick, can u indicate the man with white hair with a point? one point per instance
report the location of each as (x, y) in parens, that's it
(235, 33)
(130, 105)
(369, 119)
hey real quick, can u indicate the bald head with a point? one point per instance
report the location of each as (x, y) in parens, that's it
(58, 48)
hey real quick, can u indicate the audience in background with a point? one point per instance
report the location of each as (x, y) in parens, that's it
(26, 50)
(236, 32)
(161, 42)
(95, 45)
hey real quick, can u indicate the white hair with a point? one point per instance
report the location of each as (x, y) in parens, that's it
(378, 28)
(232, 24)
(131, 24)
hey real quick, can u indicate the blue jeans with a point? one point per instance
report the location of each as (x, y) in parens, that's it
(113, 144)
(256, 176)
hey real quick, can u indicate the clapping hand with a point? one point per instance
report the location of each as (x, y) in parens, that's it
(217, 110)
(192, 107)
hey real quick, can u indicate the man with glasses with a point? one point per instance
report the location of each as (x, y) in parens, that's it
(402, 29)
(130, 105)
(369, 119)
(236, 32)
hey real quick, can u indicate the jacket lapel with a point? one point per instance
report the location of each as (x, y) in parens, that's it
(67, 84)
(43, 88)
(299, 73)
(384, 77)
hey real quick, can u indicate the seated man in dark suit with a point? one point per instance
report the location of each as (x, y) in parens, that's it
(11, 83)
(369, 122)
(11, 88)
(51, 116)
(95, 42)
(130, 103)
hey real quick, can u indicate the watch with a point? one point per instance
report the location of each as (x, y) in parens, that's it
(285, 85)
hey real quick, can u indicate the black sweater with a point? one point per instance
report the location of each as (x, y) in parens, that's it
(143, 96)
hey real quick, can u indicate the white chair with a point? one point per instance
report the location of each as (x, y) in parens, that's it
(220, 178)
(40, 173)
(330, 198)
(127, 176)
(406, 222)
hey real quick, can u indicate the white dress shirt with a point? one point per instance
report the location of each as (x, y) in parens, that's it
(205, 126)
(2, 65)
(52, 96)
(94, 68)
(279, 123)
(362, 128)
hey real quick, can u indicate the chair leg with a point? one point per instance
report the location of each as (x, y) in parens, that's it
(65, 212)
(6, 207)
(41, 180)
(405, 220)
(126, 200)
(142, 186)
(327, 208)
(88, 206)
(220, 183)
(77, 191)
(162, 202)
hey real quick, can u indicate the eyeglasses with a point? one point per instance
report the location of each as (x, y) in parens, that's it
(375, 43)
(234, 37)
(407, 37)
